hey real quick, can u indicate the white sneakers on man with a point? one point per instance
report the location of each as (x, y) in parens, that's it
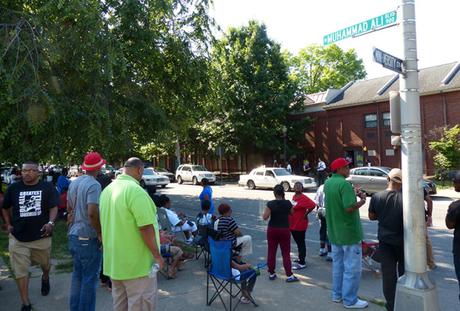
(360, 304)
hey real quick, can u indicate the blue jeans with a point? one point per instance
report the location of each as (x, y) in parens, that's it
(346, 272)
(86, 266)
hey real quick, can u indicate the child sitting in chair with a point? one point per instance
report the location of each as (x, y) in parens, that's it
(205, 218)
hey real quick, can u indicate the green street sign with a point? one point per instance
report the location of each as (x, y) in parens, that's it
(373, 24)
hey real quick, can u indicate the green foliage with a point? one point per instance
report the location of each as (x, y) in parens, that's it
(251, 92)
(106, 75)
(447, 149)
(317, 68)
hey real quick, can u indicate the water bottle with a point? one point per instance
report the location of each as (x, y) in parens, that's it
(153, 271)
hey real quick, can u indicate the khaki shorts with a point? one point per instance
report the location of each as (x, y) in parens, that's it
(135, 295)
(24, 254)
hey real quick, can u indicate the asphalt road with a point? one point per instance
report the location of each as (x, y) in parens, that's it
(247, 208)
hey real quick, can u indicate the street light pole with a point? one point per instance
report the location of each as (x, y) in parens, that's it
(415, 290)
(285, 144)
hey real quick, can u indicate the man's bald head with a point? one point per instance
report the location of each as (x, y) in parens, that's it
(134, 162)
(134, 167)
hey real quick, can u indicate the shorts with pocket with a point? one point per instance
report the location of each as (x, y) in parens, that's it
(24, 254)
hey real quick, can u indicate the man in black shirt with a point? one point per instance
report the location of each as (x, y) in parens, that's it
(453, 222)
(386, 207)
(29, 209)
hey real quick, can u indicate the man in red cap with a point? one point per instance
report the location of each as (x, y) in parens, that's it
(345, 234)
(85, 233)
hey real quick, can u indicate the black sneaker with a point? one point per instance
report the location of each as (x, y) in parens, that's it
(45, 287)
(26, 308)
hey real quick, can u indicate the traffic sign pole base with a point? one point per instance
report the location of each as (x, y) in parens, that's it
(416, 291)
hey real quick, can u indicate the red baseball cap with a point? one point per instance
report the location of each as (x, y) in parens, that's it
(92, 162)
(338, 163)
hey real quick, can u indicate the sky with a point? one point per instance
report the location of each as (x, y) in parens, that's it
(298, 23)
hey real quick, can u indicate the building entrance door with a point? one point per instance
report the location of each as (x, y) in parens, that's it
(355, 157)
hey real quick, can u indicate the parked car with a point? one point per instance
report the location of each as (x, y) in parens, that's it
(118, 172)
(109, 170)
(74, 171)
(152, 178)
(194, 173)
(269, 177)
(5, 172)
(372, 179)
(165, 172)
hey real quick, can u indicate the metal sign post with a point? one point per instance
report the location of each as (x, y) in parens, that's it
(415, 290)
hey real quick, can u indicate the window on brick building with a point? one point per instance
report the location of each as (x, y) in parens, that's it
(386, 119)
(370, 120)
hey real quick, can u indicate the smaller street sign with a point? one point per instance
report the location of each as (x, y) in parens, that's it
(388, 61)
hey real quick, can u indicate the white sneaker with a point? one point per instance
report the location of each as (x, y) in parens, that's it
(360, 304)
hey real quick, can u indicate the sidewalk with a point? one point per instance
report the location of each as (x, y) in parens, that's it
(187, 292)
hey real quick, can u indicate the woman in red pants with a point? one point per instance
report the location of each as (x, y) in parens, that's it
(278, 233)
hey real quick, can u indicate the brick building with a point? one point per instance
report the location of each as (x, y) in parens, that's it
(354, 121)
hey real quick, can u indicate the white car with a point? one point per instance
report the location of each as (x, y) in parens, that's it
(152, 178)
(269, 177)
(194, 173)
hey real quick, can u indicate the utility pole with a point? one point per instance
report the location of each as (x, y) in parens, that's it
(285, 145)
(177, 153)
(415, 290)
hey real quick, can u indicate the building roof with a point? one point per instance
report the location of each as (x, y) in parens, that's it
(432, 80)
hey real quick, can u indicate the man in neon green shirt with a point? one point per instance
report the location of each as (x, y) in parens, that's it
(345, 234)
(131, 240)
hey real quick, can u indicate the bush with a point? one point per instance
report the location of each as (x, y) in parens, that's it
(447, 149)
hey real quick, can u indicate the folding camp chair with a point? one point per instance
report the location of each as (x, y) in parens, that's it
(220, 275)
(201, 244)
(163, 220)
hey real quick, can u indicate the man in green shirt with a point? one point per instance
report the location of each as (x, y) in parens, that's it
(131, 241)
(345, 234)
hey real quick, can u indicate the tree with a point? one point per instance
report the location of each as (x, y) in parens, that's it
(447, 150)
(317, 68)
(106, 75)
(251, 92)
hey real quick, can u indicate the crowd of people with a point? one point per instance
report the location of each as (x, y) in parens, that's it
(116, 234)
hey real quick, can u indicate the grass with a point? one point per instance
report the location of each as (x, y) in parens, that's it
(59, 249)
(4, 253)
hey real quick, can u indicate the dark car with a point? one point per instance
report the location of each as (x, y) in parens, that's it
(165, 172)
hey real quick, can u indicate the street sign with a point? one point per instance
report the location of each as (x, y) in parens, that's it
(388, 61)
(373, 24)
